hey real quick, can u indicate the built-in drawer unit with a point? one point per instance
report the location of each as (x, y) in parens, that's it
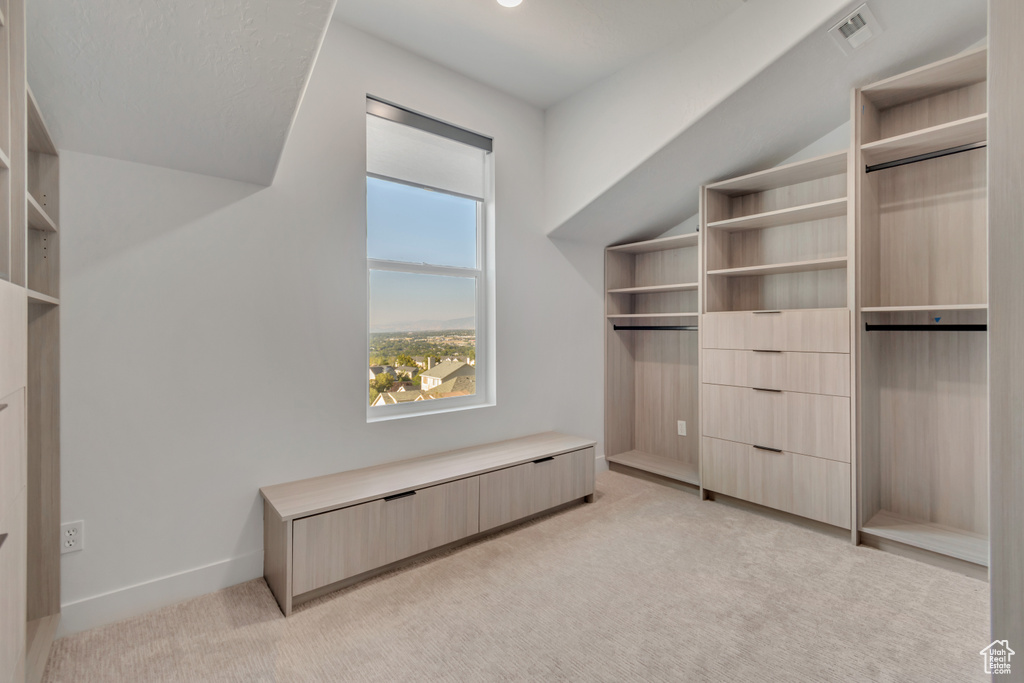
(12, 447)
(815, 330)
(811, 373)
(324, 533)
(811, 424)
(811, 487)
(516, 492)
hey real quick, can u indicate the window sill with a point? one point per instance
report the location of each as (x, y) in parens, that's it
(386, 416)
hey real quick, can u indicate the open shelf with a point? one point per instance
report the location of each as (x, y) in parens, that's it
(966, 131)
(945, 307)
(40, 298)
(658, 464)
(955, 72)
(831, 208)
(38, 219)
(659, 244)
(780, 268)
(633, 316)
(783, 176)
(39, 139)
(937, 538)
(654, 289)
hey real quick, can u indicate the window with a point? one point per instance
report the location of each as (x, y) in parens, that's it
(428, 189)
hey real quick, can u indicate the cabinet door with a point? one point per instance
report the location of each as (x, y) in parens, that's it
(13, 338)
(430, 518)
(13, 523)
(336, 545)
(516, 492)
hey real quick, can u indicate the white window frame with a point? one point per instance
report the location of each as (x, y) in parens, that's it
(483, 275)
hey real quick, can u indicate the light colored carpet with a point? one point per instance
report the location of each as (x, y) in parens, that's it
(648, 583)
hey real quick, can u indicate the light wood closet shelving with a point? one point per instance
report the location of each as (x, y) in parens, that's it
(29, 367)
(776, 363)
(651, 355)
(920, 168)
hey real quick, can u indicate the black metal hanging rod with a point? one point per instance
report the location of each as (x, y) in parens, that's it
(925, 328)
(656, 327)
(925, 157)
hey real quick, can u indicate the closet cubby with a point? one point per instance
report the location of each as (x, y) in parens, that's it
(43, 209)
(651, 353)
(778, 239)
(922, 229)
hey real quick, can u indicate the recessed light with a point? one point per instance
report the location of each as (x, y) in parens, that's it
(510, 3)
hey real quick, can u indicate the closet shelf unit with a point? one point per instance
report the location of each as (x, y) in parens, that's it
(815, 211)
(651, 355)
(922, 243)
(782, 268)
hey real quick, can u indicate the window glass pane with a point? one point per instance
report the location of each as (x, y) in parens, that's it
(405, 223)
(422, 337)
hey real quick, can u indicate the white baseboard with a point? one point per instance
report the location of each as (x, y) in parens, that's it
(131, 601)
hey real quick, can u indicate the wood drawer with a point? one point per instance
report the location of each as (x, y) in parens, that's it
(516, 492)
(812, 373)
(431, 518)
(819, 330)
(343, 543)
(811, 487)
(13, 338)
(811, 424)
(13, 577)
(13, 449)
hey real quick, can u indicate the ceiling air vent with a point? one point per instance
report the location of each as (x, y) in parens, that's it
(855, 29)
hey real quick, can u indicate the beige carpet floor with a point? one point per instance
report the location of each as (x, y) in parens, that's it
(646, 584)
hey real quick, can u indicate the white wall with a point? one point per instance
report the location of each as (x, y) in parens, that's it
(599, 135)
(214, 341)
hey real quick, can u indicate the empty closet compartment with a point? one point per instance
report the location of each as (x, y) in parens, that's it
(778, 239)
(651, 355)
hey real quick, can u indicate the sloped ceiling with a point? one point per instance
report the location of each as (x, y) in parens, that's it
(208, 86)
(541, 51)
(794, 101)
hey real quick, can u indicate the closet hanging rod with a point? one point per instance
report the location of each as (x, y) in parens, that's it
(656, 327)
(925, 328)
(924, 157)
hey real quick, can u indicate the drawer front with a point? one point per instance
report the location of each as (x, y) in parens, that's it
(820, 331)
(815, 488)
(430, 518)
(13, 337)
(336, 545)
(13, 449)
(516, 492)
(13, 575)
(811, 373)
(811, 424)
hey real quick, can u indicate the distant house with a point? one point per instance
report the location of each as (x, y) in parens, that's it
(394, 397)
(456, 386)
(377, 370)
(444, 371)
(407, 370)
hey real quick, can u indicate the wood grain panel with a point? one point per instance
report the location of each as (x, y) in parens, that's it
(12, 583)
(336, 545)
(945, 107)
(822, 331)
(13, 447)
(810, 424)
(277, 557)
(812, 373)
(810, 487)
(13, 337)
(517, 492)
(667, 390)
(1006, 254)
(431, 518)
(505, 495)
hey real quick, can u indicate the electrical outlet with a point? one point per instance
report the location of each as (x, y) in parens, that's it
(72, 537)
(682, 427)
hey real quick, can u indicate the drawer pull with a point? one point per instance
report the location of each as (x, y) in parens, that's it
(765, 448)
(767, 351)
(3, 407)
(766, 312)
(773, 391)
(399, 495)
(547, 459)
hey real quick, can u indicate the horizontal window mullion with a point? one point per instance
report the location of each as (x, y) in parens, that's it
(423, 268)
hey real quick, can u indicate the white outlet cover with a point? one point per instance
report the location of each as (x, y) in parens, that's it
(72, 537)
(682, 427)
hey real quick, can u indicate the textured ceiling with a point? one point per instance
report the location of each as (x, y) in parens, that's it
(208, 86)
(541, 51)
